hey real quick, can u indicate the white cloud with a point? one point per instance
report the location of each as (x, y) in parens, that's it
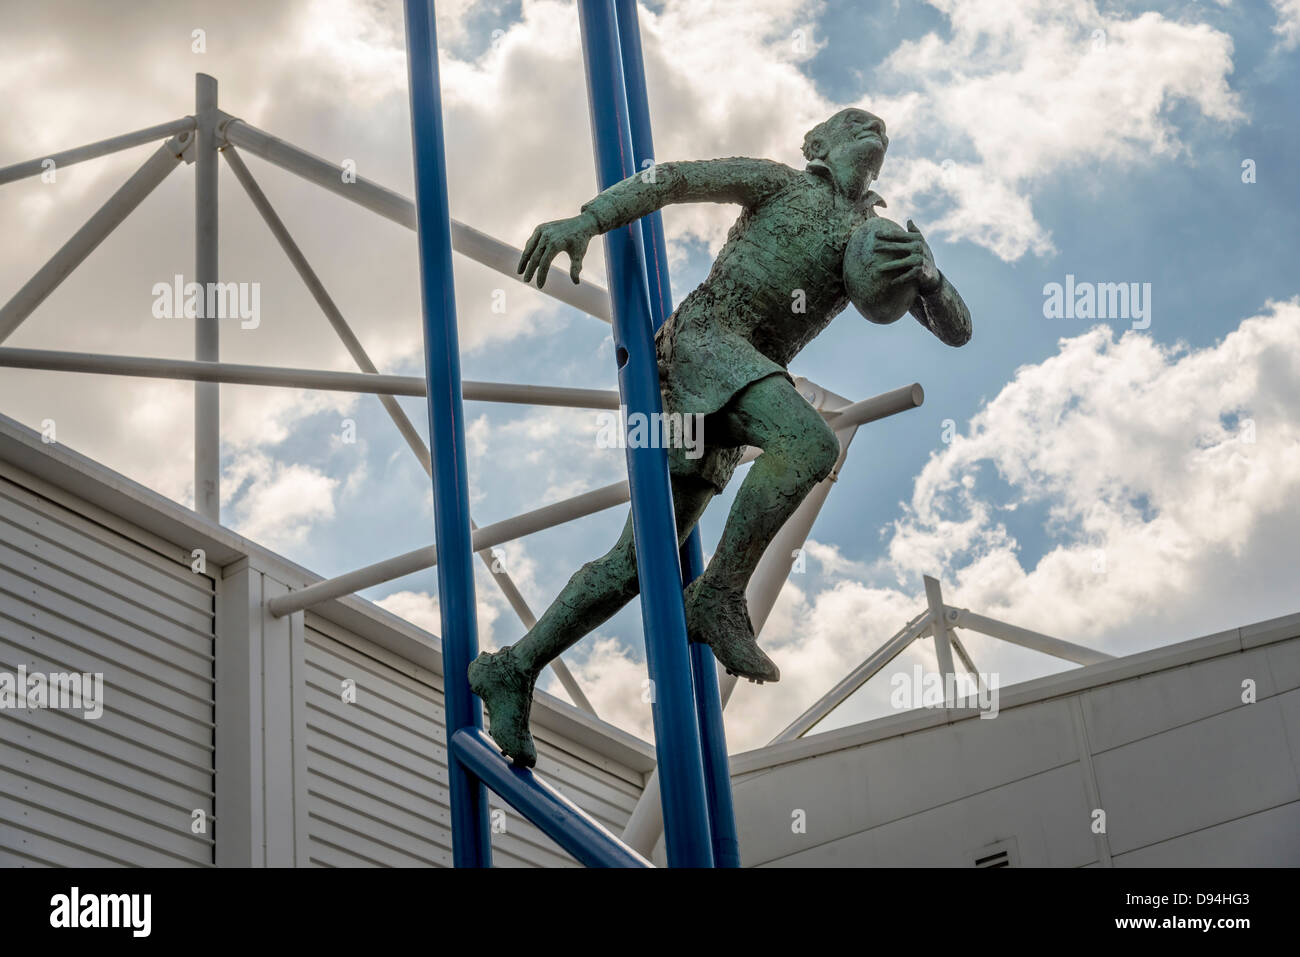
(832, 562)
(418, 607)
(1288, 23)
(982, 207)
(365, 42)
(553, 454)
(616, 684)
(1019, 92)
(275, 504)
(497, 623)
(254, 416)
(1169, 460)
(1043, 87)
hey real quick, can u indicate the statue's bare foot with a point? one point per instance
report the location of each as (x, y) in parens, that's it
(507, 693)
(719, 618)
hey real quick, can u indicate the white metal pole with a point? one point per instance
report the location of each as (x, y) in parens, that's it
(233, 373)
(774, 567)
(879, 406)
(79, 154)
(517, 394)
(207, 395)
(466, 240)
(942, 644)
(855, 679)
(504, 531)
(323, 299)
(967, 662)
(963, 618)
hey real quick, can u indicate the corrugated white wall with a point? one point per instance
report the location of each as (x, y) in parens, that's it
(377, 767)
(76, 596)
(307, 779)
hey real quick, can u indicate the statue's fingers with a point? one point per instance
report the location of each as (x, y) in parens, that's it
(534, 257)
(528, 248)
(911, 274)
(534, 260)
(575, 267)
(527, 268)
(911, 227)
(551, 253)
(894, 245)
(907, 262)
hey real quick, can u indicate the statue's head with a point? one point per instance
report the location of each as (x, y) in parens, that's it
(850, 145)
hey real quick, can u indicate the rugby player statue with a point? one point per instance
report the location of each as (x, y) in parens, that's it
(807, 243)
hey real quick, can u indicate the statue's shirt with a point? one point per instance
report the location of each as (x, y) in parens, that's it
(777, 282)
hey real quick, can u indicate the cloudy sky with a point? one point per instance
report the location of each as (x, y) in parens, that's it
(1118, 487)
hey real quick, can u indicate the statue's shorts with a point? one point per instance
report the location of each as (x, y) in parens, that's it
(703, 367)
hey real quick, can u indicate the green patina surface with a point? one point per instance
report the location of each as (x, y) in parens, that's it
(780, 278)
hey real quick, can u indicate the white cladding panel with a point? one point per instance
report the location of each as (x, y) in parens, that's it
(377, 767)
(77, 597)
(1187, 773)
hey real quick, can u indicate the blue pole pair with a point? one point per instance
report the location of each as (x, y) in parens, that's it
(704, 671)
(687, 827)
(473, 762)
(695, 789)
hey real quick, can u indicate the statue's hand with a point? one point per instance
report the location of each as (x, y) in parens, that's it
(550, 239)
(915, 262)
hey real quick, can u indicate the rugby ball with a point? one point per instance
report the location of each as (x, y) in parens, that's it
(873, 291)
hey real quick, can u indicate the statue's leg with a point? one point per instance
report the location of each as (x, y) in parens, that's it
(799, 450)
(505, 679)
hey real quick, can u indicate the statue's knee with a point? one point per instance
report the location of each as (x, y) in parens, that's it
(821, 452)
(586, 572)
(611, 571)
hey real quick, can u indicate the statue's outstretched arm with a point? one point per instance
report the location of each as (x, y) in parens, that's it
(740, 180)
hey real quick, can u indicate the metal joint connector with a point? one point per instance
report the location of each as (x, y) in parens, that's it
(182, 145)
(224, 120)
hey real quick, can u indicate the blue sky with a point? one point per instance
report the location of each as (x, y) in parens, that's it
(1023, 145)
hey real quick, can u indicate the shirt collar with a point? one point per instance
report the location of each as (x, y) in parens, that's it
(869, 200)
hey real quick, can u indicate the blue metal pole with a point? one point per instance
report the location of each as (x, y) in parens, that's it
(554, 815)
(638, 108)
(704, 671)
(717, 770)
(682, 791)
(471, 840)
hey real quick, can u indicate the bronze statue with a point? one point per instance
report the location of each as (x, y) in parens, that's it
(806, 244)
